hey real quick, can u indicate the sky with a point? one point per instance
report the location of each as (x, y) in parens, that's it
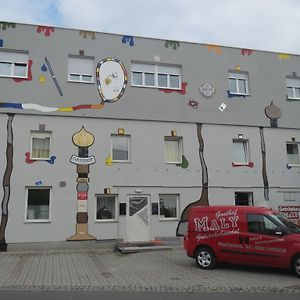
(271, 25)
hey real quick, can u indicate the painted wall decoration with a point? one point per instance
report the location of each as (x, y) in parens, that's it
(109, 161)
(53, 76)
(29, 76)
(246, 52)
(249, 165)
(264, 164)
(184, 164)
(6, 25)
(222, 107)
(111, 77)
(203, 200)
(109, 68)
(283, 56)
(207, 90)
(83, 140)
(1, 43)
(31, 161)
(273, 113)
(86, 34)
(214, 48)
(172, 44)
(182, 91)
(46, 29)
(192, 103)
(128, 39)
(6, 182)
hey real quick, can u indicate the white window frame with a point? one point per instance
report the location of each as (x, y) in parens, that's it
(26, 220)
(297, 144)
(245, 144)
(87, 70)
(156, 69)
(293, 83)
(128, 149)
(237, 76)
(113, 220)
(177, 208)
(40, 134)
(14, 58)
(179, 140)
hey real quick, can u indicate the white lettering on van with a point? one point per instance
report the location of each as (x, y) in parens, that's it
(201, 224)
(224, 225)
(214, 225)
(234, 220)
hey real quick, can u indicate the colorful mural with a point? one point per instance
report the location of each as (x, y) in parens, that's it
(128, 39)
(6, 25)
(83, 140)
(53, 76)
(283, 56)
(214, 48)
(31, 161)
(86, 34)
(6, 182)
(172, 44)
(192, 103)
(46, 29)
(246, 52)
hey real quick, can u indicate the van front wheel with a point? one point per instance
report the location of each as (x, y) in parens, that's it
(205, 258)
(296, 265)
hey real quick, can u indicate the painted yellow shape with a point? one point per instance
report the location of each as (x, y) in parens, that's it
(283, 56)
(97, 106)
(108, 161)
(238, 67)
(42, 79)
(83, 138)
(214, 48)
(107, 80)
(65, 109)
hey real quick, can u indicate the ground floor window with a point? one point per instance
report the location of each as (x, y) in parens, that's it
(106, 207)
(168, 206)
(38, 204)
(243, 198)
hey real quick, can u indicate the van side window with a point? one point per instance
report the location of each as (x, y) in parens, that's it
(261, 224)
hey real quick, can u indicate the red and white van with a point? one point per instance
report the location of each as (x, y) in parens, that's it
(242, 234)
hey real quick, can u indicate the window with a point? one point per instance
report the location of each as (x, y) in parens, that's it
(173, 149)
(159, 76)
(38, 204)
(40, 145)
(293, 88)
(81, 69)
(292, 150)
(262, 224)
(240, 152)
(14, 64)
(238, 83)
(168, 206)
(106, 207)
(243, 198)
(120, 148)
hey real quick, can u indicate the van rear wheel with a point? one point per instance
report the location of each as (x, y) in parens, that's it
(205, 258)
(296, 265)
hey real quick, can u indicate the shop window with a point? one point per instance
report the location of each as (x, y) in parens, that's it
(14, 64)
(40, 145)
(106, 207)
(173, 149)
(154, 75)
(238, 83)
(38, 204)
(168, 206)
(81, 69)
(120, 148)
(292, 150)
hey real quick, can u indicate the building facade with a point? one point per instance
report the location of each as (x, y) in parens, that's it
(107, 136)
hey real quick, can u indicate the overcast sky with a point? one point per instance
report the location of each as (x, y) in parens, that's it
(271, 25)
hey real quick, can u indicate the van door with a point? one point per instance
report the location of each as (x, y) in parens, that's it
(264, 242)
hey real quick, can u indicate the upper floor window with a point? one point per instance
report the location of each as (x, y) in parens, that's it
(14, 63)
(240, 151)
(40, 145)
(173, 149)
(238, 83)
(292, 150)
(153, 75)
(293, 88)
(120, 148)
(81, 69)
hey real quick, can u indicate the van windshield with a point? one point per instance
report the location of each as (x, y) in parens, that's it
(291, 226)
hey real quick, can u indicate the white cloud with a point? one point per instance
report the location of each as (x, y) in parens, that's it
(259, 24)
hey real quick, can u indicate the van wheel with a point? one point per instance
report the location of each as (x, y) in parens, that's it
(205, 258)
(296, 265)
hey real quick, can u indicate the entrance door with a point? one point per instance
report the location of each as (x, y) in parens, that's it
(138, 218)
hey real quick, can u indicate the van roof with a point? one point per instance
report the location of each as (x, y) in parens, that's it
(228, 207)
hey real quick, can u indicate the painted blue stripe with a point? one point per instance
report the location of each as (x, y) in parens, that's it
(11, 105)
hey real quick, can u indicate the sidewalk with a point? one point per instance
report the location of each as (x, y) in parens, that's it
(103, 268)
